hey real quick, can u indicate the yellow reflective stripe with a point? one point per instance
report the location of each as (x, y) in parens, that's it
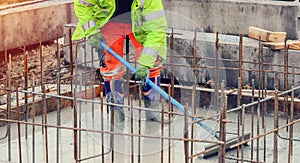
(88, 25)
(150, 51)
(85, 3)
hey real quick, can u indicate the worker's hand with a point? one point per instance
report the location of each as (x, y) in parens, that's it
(141, 72)
(95, 40)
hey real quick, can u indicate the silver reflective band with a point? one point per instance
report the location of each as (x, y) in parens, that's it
(150, 17)
(105, 11)
(85, 3)
(150, 51)
(89, 24)
(154, 15)
(142, 3)
(138, 23)
(113, 72)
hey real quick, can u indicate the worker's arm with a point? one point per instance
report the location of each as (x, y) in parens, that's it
(88, 14)
(154, 26)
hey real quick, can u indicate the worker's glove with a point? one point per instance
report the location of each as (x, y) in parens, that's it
(95, 40)
(141, 72)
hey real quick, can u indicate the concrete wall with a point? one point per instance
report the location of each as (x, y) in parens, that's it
(235, 16)
(228, 49)
(27, 24)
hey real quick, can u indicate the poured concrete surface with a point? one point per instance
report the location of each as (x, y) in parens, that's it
(90, 142)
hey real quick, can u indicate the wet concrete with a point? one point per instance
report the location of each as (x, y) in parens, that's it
(90, 143)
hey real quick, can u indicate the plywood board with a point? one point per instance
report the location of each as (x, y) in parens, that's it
(265, 35)
(291, 44)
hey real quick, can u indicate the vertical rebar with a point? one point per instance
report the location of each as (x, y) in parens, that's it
(33, 119)
(58, 118)
(127, 71)
(131, 129)
(162, 132)
(222, 125)
(75, 124)
(75, 106)
(112, 108)
(8, 109)
(291, 133)
(243, 132)
(18, 123)
(25, 88)
(258, 100)
(275, 146)
(216, 75)
(252, 118)
(172, 66)
(71, 58)
(186, 134)
(240, 74)
(239, 103)
(238, 116)
(265, 113)
(45, 117)
(102, 124)
(139, 123)
(92, 85)
(41, 78)
(80, 115)
(194, 89)
(6, 85)
(286, 80)
(169, 124)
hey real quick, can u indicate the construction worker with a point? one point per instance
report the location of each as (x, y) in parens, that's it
(110, 21)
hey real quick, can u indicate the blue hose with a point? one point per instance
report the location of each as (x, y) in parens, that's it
(158, 89)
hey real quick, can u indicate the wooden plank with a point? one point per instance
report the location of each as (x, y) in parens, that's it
(266, 35)
(293, 44)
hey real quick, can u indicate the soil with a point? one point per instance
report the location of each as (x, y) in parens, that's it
(34, 68)
(8, 2)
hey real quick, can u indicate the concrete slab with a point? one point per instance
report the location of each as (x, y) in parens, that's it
(90, 142)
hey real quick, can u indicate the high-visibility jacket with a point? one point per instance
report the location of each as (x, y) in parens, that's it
(148, 24)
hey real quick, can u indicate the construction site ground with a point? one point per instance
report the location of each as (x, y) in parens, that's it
(90, 142)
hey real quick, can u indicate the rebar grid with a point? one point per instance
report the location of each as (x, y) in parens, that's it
(35, 103)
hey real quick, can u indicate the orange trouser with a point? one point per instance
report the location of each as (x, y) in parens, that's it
(114, 34)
